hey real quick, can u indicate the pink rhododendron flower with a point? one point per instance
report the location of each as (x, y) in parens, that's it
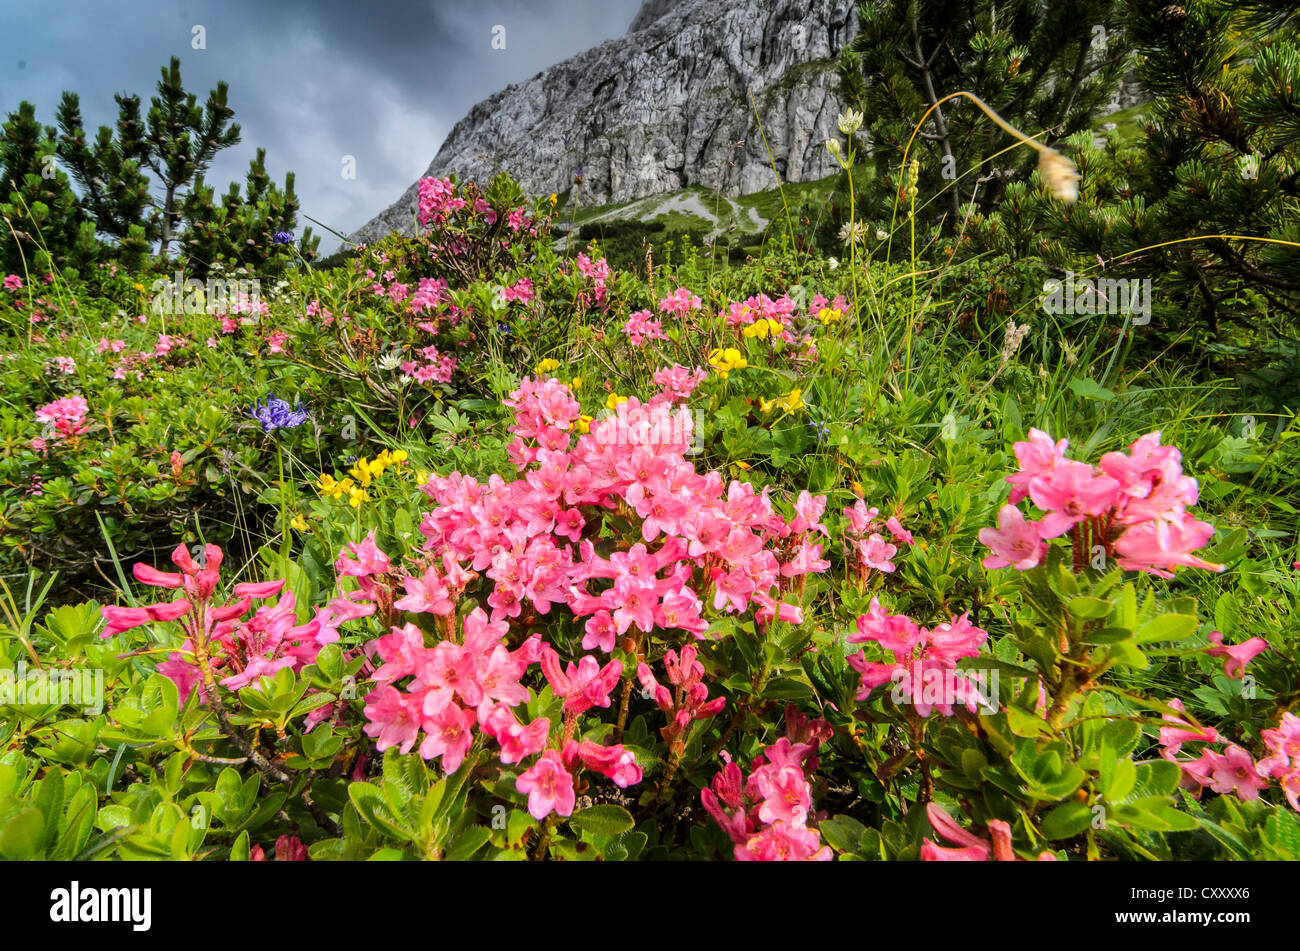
(680, 302)
(967, 847)
(1283, 763)
(1133, 507)
(548, 785)
(240, 649)
(923, 659)
(1238, 656)
(1014, 542)
(640, 328)
(766, 816)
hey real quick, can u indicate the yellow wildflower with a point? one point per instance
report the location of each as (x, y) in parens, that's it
(298, 523)
(140, 288)
(584, 424)
(791, 402)
(399, 455)
(329, 486)
(724, 361)
(830, 315)
(357, 496)
(613, 400)
(575, 383)
(547, 365)
(763, 328)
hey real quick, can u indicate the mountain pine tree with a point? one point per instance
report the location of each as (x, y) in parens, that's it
(1048, 69)
(115, 191)
(182, 139)
(1222, 154)
(42, 227)
(248, 229)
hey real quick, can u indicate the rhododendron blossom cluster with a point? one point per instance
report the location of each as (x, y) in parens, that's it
(722, 546)
(923, 658)
(1233, 769)
(437, 200)
(242, 649)
(1131, 507)
(868, 549)
(688, 701)
(455, 686)
(766, 815)
(66, 415)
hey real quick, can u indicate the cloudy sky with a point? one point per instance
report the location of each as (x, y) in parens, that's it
(311, 81)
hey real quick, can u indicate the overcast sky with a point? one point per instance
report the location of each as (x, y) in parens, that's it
(311, 81)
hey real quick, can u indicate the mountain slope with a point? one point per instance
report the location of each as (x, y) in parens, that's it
(662, 108)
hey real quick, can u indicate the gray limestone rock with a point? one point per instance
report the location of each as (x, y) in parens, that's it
(663, 107)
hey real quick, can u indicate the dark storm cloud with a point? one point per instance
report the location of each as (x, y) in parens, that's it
(311, 82)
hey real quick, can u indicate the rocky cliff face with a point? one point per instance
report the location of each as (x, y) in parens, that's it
(663, 107)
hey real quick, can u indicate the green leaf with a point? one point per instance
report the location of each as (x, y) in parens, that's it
(604, 819)
(1157, 778)
(1118, 777)
(1086, 608)
(469, 842)
(22, 835)
(843, 833)
(1026, 724)
(1091, 390)
(1067, 820)
(1168, 627)
(1282, 831)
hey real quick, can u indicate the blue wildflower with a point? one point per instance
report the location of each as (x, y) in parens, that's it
(278, 414)
(821, 429)
(282, 237)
